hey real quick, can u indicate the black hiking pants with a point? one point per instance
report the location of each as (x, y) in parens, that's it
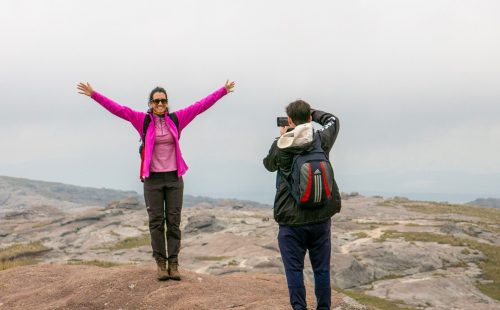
(163, 192)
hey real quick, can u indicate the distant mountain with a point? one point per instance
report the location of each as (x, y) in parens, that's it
(486, 202)
(190, 201)
(19, 193)
(16, 193)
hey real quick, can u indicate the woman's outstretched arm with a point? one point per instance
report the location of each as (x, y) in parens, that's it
(187, 114)
(134, 117)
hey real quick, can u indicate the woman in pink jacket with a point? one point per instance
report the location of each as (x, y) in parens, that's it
(162, 165)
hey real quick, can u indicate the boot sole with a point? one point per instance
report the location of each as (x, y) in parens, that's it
(163, 278)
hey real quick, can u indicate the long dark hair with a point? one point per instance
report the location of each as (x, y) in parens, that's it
(157, 89)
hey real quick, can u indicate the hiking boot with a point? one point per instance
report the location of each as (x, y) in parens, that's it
(162, 270)
(173, 271)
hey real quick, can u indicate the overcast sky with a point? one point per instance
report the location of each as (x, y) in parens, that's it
(415, 84)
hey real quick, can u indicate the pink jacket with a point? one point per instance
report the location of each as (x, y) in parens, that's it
(136, 118)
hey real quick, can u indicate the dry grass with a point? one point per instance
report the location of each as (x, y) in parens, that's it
(7, 264)
(489, 215)
(21, 254)
(131, 242)
(212, 258)
(421, 225)
(360, 235)
(379, 303)
(491, 227)
(396, 201)
(391, 277)
(22, 250)
(377, 223)
(95, 262)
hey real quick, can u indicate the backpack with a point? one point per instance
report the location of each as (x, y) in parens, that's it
(311, 181)
(145, 126)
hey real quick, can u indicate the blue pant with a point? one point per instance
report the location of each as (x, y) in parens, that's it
(293, 243)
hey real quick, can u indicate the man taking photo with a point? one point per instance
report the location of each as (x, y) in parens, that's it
(306, 198)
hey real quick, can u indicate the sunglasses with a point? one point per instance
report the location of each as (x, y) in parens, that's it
(157, 101)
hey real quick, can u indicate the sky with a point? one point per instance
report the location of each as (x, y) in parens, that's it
(415, 85)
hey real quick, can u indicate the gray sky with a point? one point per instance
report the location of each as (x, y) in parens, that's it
(414, 83)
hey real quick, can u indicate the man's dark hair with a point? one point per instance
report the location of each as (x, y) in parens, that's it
(157, 90)
(299, 111)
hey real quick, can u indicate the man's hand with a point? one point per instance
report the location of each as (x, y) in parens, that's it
(283, 130)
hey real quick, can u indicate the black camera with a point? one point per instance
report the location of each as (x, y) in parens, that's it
(282, 121)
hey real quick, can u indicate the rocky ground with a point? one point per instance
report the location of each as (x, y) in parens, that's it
(132, 287)
(423, 255)
(427, 275)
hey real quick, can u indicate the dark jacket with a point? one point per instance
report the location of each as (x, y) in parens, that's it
(286, 212)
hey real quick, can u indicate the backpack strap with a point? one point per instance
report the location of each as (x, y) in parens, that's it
(145, 125)
(317, 143)
(316, 148)
(175, 119)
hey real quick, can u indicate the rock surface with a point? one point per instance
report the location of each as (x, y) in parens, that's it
(202, 223)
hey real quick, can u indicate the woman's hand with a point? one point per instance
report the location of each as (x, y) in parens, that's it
(229, 86)
(85, 89)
